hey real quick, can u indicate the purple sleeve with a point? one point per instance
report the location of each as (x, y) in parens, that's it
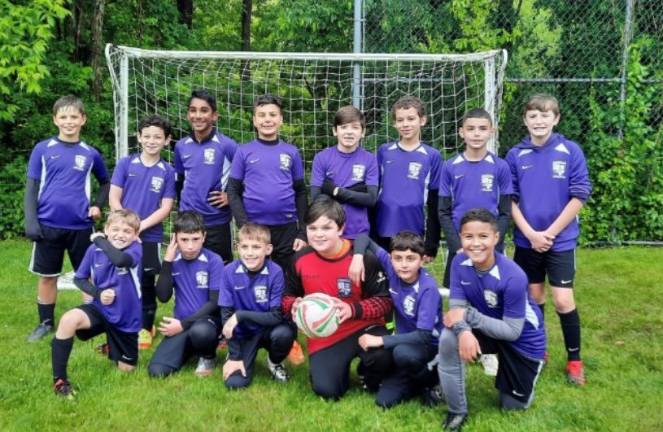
(99, 168)
(34, 165)
(297, 166)
(225, 295)
(120, 173)
(277, 290)
(179, 168)
(579, 184)
(372, 172)
(317, 170)
(456, 291)
(215, 273)
(135, 251)
(237, 169)
(385, 261)
(435, 168)
(429, 309)
(169, 189)
(513, 168)
(504, 178)
(515, 297)
(445, 181)
(83, 271)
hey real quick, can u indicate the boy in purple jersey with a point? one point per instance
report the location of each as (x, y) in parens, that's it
(110, 273)
(409, 179)
(490, 311)
(202, 162)
(347, 172)
(475, 178)
(145, 183)
(193, 274)
(250, 301)
(266, 184)
(58, 207)
(418, 308)
(551, 184)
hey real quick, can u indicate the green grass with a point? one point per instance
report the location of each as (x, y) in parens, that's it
(617, 290)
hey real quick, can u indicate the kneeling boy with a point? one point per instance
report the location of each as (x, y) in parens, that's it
(113, 263)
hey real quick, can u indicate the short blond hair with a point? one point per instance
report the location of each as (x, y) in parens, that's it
(252, 231)
(125, 215)
(542, 102)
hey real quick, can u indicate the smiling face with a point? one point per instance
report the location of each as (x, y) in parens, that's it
(408, 124)
(120, 234)
(476, 132)
(479, 240)
(324, 235)
(406, 264)
(540, 124)
(152, 139)
(253, 252)
(69, 121)
(190, 244)
(202, 117)
(348, 136)
(267, 119)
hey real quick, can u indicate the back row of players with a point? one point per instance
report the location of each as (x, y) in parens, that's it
(544, 183)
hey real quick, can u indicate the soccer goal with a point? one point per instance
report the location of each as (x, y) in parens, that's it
(313, 86)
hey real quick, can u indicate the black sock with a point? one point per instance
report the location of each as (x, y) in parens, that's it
(570, 322)
(46, 313)
(60, 351)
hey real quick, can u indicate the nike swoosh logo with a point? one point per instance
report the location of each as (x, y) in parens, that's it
(175, 274)
(126, 358)
(186, 156)
(132, 175)
(459, 176)
(517, 394)
(98, 265)
(252, 161)
(526, 167)
(465, 283)
(566, 281)
(55, 156)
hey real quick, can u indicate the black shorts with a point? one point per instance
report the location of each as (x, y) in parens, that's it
(219, 240)
(174, 351)
(516, 374)
(283, 237)
(123, 346)
(48, 253)
(559, 266)
(151, 258)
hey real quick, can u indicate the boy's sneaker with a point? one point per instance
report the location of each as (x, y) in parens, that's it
(575, 372)
(278, 371)
(40, 332)
(490, 364)
(454, 422)
(205, 367)
(433, 396)
(145, 339)
(63, 388)
(296, 354)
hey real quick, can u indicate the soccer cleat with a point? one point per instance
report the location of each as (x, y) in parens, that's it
(454, 422)
(40, 332)
(63, 388)
(278, 371)
(144, 339)
(433, 396)
(490, 364)
(575, 372)
(205, 367)
(102, 348)
(296, 354)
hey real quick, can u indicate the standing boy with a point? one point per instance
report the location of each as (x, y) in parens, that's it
(202, 162)
(323, 268)
(145, 183)
(551, 184)
(409, 179)
(250, 301)
(110, 273)
(490, 311)
(193, 274)
(59, 212)
(347, 172)
(266, 183)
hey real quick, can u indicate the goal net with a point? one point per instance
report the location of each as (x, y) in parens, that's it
(312, 86)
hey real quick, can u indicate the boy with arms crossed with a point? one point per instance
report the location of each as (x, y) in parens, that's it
(409, 179)
(145, 183)
(490, 311)
(202, 162)
(551, 184)
(323, 268)
(59, 213)
(193, 274)
(250, 301)
(347, 172)
(110, 273)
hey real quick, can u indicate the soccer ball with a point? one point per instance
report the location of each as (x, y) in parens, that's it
(316, 316)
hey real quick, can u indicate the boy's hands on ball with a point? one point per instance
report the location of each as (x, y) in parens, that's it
(344, 310)
(107, 296)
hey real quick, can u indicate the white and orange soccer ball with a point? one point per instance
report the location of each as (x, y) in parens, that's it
(316, 315)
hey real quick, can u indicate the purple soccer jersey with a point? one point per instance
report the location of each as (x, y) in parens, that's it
(418, 305)
(474, 184)
(501, 293)
(63, 171)
(545, 178)
(345, 170)
(205, 166)
(125, 313)
(143, 188)
(193, 280)
(406, 177)
(251, 292)
(268, 172)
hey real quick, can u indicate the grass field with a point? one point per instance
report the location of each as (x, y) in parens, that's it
(617, 290)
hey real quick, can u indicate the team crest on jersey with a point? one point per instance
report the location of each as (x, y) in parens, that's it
(358, 172)
(408, 306)
(201, 279)
(487, 182)
(208, 156)
(490, 297)
(559, 169)
(79, 162)
(414, 170)
(344, 287)
(260, 293)
(156, 183)
(285, 161)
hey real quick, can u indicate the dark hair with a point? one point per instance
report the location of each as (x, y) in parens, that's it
(188, 222)
(542, 102)
(476, 113)
(407, 240)
(69, 101)
(348, 114)
(204, 95)
(156, 121)
(407, 102)
(268, 99)
(479, 215)
(325, 206)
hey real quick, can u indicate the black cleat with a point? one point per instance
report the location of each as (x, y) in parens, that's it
(40, 332)
(454, 422)
(433, 396)
(63, 388)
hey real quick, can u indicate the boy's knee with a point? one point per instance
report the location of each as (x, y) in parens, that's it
(282, 335)
(156, 370)
(327, 390)
(236, 381)
(448, 344)
(202, 333)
